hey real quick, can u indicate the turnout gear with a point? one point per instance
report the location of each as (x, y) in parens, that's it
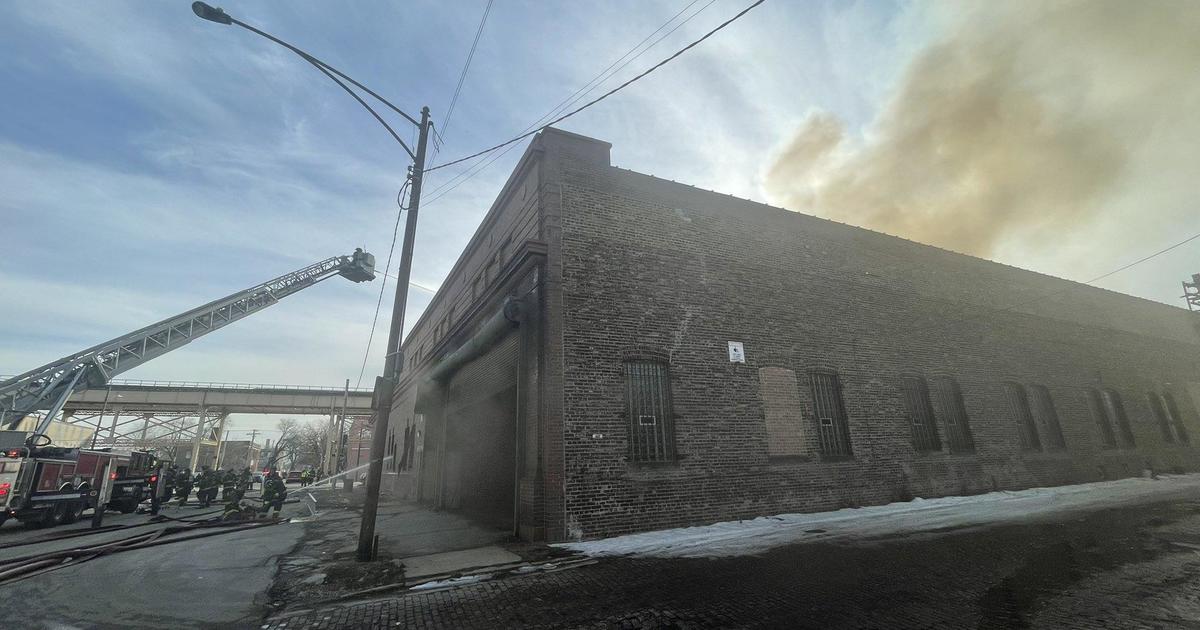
(208, 486)
(183, 485)
(274, 492)
(229, 481)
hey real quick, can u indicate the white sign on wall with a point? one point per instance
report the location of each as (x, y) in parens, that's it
(737, 353)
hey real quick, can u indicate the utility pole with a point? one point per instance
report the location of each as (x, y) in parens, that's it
(393, 359)
(252, 461)
(393, 363)
(1191, 292)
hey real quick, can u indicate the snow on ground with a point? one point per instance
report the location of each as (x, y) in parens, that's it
(735, 538)
(458, 581)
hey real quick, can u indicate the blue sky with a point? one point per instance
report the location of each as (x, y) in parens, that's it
(152, 161)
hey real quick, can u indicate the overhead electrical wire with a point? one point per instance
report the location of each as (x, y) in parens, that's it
(462, 77)
(383, 283)
(606, 94)
(1050, 294)
(575, 96)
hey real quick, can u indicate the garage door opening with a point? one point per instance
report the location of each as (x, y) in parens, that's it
(480, 447)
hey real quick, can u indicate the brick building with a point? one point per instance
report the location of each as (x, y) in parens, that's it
(614, 352)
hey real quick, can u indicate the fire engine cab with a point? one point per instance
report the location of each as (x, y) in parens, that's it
(48, 485)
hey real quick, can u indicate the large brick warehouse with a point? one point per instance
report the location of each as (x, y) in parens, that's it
(614, 352)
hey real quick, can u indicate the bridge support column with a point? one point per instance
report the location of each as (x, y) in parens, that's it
(195, 461)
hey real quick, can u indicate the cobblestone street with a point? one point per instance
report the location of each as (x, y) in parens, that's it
(1133, 567)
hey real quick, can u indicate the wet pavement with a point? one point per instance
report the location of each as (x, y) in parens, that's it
(1116, 568)
(216, 581)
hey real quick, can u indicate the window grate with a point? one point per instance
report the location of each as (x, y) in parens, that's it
(648, 400)
(1116, 411)
(920, 413)
(1160, 414)
(1102, 420)
(954, 414)
(1018, 403)
(1176, 418)
(833, 430)
(1047, 416)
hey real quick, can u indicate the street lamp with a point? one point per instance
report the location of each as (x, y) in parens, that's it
(393, 360)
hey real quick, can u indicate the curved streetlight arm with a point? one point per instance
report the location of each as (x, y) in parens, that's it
(218, 15)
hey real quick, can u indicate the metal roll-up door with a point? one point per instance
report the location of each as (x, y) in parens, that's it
(485, 376)
(481, 423)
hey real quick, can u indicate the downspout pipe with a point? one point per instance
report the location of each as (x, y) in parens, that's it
(496, 326)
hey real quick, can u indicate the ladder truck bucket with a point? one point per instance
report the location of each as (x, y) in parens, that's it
(360, 267)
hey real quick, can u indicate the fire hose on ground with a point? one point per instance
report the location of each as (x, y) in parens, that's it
(15, 569)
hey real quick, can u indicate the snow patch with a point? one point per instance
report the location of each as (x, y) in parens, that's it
(735, 538)
(458, 581)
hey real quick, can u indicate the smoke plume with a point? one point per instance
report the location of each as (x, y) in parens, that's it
(1022, 120)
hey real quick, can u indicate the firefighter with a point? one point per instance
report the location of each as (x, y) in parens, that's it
(229, 482)
(183, 485)
(274, 492)
(208, 486)
(305, 477)
(168, 480)
(245, 481)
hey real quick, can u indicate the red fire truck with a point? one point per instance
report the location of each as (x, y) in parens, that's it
(47, 486)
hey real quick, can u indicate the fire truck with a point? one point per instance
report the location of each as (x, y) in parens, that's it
(44, 486)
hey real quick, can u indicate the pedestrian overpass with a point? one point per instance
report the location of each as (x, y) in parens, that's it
(165, 414)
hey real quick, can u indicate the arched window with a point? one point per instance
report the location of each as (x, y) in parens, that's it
(1047, 417)
(648, 405)
(1116, 410)
(1176, 417)
(833, 428)
(953, 413)
(1018, 403)
(921, 418)
(1162, 416)
(1107, 436)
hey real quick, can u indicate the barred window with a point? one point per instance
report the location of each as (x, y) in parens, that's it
(1107, 435)
(1160, 414)
(1047, 417)
(954, 414)
(1176, 418)
(1018, 403)
(833, 430)
(1116, 411)
(920, 414)
(651, 420)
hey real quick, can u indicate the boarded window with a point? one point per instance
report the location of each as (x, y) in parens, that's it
(920, 414)
(651, 420)
(1107, 435)
(1047, 417)
(781, 411)
(1018, 404)
(1116, 411)
(953, 412)
(833, 430)
(1176, 418)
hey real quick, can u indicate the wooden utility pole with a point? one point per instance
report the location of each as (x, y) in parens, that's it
(393, 360)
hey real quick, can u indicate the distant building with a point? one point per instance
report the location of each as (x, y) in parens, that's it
(614, 352)
(240, 454)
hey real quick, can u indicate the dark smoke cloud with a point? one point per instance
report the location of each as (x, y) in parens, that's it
(1023, 120)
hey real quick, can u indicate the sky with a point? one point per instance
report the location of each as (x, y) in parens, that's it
(152, 161)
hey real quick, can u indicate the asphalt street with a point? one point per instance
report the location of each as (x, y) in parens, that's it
(216, 581)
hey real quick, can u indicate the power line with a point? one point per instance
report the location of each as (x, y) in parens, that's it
(1056, 292)
(606, 94)
(583, 90)
(462, 77)
(383, 284)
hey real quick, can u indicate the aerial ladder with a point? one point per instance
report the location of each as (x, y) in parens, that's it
(49, 386)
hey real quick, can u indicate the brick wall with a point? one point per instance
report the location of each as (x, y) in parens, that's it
(649, 264)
